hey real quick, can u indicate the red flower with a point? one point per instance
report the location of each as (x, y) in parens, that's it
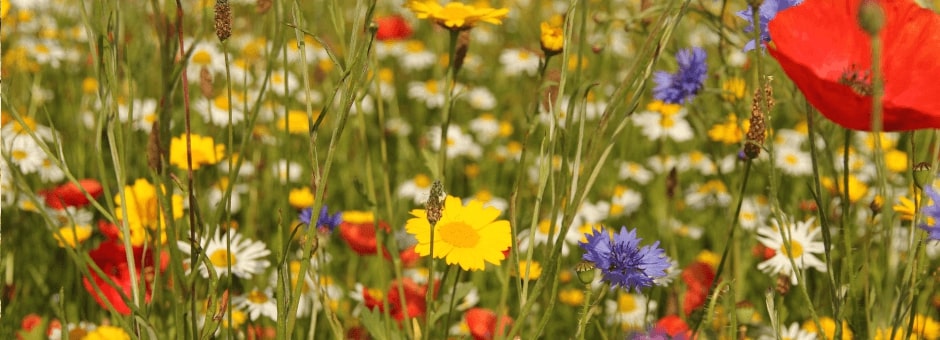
(392, 28)
(69, 194)
(415, 304)
(482, 323)
(30, 321)
(698, 278)
(110, 257)
(672, 325)
(823, 50)
(763, 252)
(361, 236)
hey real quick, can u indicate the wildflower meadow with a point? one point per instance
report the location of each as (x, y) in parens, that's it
(452, 169)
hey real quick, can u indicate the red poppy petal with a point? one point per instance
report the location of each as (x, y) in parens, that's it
(69, 194)
(819, 43)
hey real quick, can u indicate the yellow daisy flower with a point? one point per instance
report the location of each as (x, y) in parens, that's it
(552, 37)
(465, 235)
(456, 15)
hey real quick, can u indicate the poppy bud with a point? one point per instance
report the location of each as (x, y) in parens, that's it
(871, 17)
(586, 272)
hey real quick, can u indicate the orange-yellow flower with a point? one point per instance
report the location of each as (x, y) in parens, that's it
(456, 15)
(552, 38)
(204, 150)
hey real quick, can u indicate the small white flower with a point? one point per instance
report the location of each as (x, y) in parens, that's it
(415, 57)
(480, 98)
(417, 189)
(287, 171)
(246, 257)
(430, 92)
(485, 127)
(518, 61)
(655, 125)
(257, 303)
(793, 161)
(803, 247)
(630, 311)
(636, 172)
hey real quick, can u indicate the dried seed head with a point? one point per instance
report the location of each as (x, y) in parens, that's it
(586, 272)
(758, 129)
(223, 19)
(463, 44)
(205, 82)
(435, 204)
(783, 284)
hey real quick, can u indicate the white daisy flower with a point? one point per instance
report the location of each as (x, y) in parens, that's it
(711, 193)
(792, 332)
(480, 98)
(485, 127)
(517, 61)
(287, 171)
(803, 248)
(389, 48)
(281, 79)
(696, 160)
(685, 230)
(257, 303)
(488, 200)
(314, 51)
(430, 92)
(215, 111)
(655, 125)
(415, 57)
(541, 235)
(50, 172)
(636, 172)
(25, 153)
(205, 54)
(142, 113)
(417, 189)
(458, 143)
(662, 163)
(246, 258)
(398, 127)
(624, 201)
(789, 138)
(754, 212)
(793, 161)
(217, 191)
(72, 216)
(630, 311)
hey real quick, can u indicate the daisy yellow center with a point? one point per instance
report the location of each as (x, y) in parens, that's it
(202, 58)
(484, 196)
(277, 79)
(523, 55)
(221, 102)
(414, 46)
(626, 303)
(422, 181)
(696, 157)
(791, 159)
(459, 234)
(222, 258)
(544, 227)
(431, 86)
(257, 297)
(667, 122)
(42, 49)
(796, 249)
(19, 154)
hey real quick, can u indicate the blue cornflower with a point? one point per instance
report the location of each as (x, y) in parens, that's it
(324, 219)
(621, 260)
(932, 214)
(768, 10)
(679, 87)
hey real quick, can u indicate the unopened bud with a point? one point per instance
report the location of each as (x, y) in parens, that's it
(871, 17)
(586, 272)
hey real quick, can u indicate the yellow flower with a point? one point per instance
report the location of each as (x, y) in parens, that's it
(857, 188)
(358, 216)
(534, 269)
(204, 151)
(143, 210)
(905, 208)
(732, 89)
(571, 296)
(72, 235)
(299, 124)
(456, 15)
(730, 132)
(552, 38)
(300, 198)
(107, 333)
(896, 161)
(465, 235)
(828, 327)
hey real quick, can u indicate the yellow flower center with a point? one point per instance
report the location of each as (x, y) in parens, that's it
(791, 159)
(626, 303)
(19, 154)
(431, 86)
(459, 234)
(257, 297)
(221, 102)
(222, 258)
(796, 249)
(422, 181)
(667, 122)
(202, 58)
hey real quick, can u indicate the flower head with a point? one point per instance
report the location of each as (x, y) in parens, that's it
(683, 85)
(456, 15)
(767, 11)
(393, 27)
(800, 245)
(465, 235)
(821, 47)
(245, 257)
(325, 221)
(552, 37)
(932, 214)
(622, 261)
(204, 151)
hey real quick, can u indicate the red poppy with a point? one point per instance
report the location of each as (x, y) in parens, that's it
(482, 323)
(415, 304)
(672, 325)
(30, 321)
(70, 195)
(361, 236)
(763, 252)
(392, 28)
(110, 257)
(823, 50)
(698, 278)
